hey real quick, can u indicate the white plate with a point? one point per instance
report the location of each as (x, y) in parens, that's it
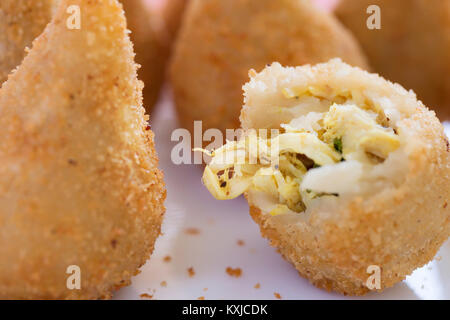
(221, 225)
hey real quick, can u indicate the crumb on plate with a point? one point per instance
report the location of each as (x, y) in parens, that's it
(192, 231)
(146, 296)
(237, 272)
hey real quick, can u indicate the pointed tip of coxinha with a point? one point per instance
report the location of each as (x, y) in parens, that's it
(82, 73)
(71, 52)
(79, 183)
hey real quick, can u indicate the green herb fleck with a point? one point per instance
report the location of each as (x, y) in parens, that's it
(322, 194)
(337, 143)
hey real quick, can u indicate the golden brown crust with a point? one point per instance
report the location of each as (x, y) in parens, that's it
(221, 40)
(411, 48)
(79, 183)
(21, 21)
(293, 254)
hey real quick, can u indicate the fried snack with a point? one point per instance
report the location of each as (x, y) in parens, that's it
(222, 40)
(79, 183)
(21, 21)
(412, 47)
(356, 174)
(151, 44)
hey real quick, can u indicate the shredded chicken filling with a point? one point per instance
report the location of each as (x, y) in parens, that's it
(352, 129)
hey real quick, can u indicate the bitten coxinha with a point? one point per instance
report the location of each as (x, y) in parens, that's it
(362, 177)
(203, 142)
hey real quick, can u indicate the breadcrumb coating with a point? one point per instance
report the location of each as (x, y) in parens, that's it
(79, 183)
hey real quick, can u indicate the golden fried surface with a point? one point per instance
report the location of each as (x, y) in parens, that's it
(151, 44)
(398, 226)
(79, 183)
(412, 47)
(220, 41)
(21, 21)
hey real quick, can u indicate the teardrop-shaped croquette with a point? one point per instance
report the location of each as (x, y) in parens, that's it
(352, 182)
(220, 41)
(79, 183)
(21, 21)
(412, 46)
